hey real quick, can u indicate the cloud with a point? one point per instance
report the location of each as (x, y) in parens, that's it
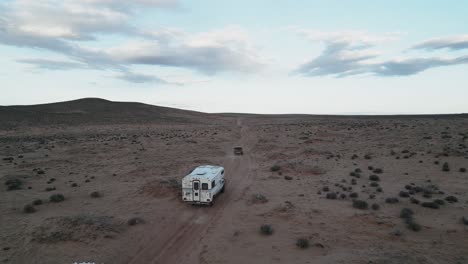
(453, 43)
(140, 78)
(71, 28)
(48, 64)
(353, 53)
(228, 49)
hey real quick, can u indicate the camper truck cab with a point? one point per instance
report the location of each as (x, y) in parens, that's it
(203, 184)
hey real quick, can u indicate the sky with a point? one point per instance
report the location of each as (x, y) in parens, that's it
(257, 56)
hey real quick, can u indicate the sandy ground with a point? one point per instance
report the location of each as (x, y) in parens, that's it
(137, 168)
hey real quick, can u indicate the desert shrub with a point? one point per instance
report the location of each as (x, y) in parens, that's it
(29, 208)
(465, 220)
(414, 200)
(379, 189)
(353, 182)
(367, 156)
(451, 199)
(259, 198)
(360, 204)
(74, 184)
(275, 168)
(374, 177)
(427, 195)
(95, 194)
(374, 184)
(343, 196)
(445, 167)
(302, 243)
(378, 170)
(375, 207)
(413, 226)
(325, 189)
(135, 221)
(56, 198)
(408, 187)
(462, 170)
(404, 194)
(431, 205)
(331, 196)
(49, 189)
(418, 189)
(288, 178)
(406, 213)
(391, 200)
(354, 195)
(370, 168)
(439, 201)
(358, 170)
(266, 229)
(13, 184)
(37, 202)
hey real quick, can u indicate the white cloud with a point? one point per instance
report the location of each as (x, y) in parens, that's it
(351, 53)
(70, 28)
(454, 43)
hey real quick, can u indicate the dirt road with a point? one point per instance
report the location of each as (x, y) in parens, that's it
(182, 242)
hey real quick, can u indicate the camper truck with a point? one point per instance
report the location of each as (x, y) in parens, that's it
(203, 184)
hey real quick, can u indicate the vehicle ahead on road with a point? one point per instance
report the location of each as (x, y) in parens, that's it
(203, 184)
(238, 151)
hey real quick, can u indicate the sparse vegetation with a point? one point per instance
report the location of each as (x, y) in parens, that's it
(406, 213)
(375, 207)
(404, 194)
(360, 204)
(431, 205)
(378, 170)
(445, 167)
(391, 200)
(49, 189)
(266, 229)
(56, 198)
(135, 221)
(331, 196)
(29, 208)
(13, 184)
(413, 225)
(462, 170)
(259, 198)
(37, 202)
(354, 195)
(302, 243)
(451, 199)
(414, 200)
(275, 168)
(95, 194)
(465, 220)
(374, 177)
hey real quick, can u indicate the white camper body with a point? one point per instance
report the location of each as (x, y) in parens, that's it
(203, 184)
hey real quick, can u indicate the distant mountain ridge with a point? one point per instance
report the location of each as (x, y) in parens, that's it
(95, 111)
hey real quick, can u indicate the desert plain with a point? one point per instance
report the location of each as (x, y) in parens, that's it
(97, 181)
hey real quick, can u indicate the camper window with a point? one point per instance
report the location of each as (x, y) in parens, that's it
(195, 185)
(213, 184)
(204, 186)
(222, 172)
